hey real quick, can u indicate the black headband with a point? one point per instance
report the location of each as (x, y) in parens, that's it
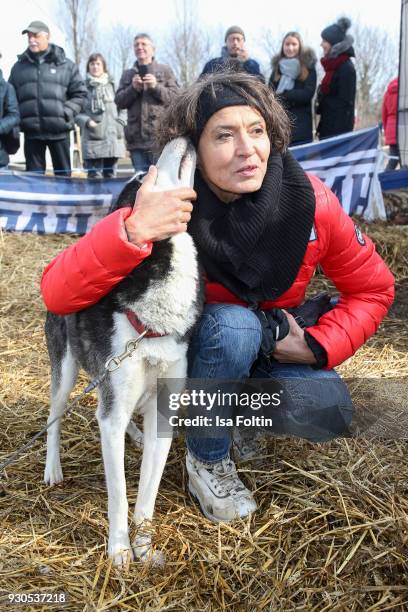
(211, 100)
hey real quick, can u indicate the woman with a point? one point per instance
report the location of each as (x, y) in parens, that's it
(293, 79)
(261, 227)
(101, 125)
(9, 116)
(389, 111)
(337, 91)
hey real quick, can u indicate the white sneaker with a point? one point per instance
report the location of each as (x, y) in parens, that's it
(220, 493)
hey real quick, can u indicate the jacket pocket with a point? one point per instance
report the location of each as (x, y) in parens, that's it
(97, 132)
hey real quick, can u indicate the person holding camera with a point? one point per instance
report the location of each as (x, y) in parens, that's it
(144, 90)
(9, 117)
(102, 136)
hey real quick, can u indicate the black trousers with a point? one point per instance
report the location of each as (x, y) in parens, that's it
(101, 167)
(34, 151)
(394, 152)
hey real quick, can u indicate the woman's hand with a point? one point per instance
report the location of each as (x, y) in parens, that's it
(91, 123)
(158, 215)
(293, 348)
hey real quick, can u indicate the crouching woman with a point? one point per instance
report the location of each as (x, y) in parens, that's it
(261, 227)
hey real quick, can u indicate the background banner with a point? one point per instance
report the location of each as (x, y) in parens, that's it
(348, 164)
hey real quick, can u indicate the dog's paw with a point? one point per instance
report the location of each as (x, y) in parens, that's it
(143, 551)
(53, 473)
(121, 554)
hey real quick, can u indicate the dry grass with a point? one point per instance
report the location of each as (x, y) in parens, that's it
(331, 532)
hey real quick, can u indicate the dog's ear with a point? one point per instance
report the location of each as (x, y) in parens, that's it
(127, 196)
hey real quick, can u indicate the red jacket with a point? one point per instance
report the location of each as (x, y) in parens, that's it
(389, 112)
(86, 271)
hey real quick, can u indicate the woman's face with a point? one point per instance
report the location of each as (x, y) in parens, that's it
(326, 46)
(96, 68)
(233, 152)
(291, 47)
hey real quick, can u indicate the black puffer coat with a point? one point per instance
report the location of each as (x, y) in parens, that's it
(298, 101)
(336, 109)
(50, 93)
(9, 115)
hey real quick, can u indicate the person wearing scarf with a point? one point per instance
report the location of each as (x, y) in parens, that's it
(337, 91)
(261, 227)
(102, 136)
(293, 79)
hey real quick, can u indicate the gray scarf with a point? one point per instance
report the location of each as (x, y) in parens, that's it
(289, 67)
(101, 91)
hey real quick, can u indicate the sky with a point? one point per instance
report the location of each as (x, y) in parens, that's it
(156, 17)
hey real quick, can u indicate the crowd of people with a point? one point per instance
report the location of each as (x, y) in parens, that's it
(46, 96)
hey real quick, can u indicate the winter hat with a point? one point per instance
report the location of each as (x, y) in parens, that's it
(234, 30)
(336, 32)
(211, 100)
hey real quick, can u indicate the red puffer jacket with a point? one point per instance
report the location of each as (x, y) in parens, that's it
(389, 113)
(85, 272)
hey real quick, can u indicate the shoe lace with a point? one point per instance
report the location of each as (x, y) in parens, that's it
(225, 478)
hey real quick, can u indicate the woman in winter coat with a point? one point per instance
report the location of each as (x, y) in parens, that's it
(9, 116)
(261, 227)
(293, 79)
(337, 91)
(389, 119)
(101, 125)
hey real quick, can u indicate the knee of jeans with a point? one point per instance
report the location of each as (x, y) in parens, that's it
(234, 330)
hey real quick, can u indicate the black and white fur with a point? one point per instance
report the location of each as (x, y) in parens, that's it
(165, 292)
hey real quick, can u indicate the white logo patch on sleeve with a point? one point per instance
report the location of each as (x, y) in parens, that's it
(359, 235)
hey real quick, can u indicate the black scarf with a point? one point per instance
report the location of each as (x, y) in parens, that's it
(255, 245)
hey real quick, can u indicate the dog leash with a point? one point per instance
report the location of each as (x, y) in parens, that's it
(112, 364)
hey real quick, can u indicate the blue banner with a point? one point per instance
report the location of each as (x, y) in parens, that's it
(346, 163)
(48, 205)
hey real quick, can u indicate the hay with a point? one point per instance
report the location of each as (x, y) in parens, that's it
(331, 532)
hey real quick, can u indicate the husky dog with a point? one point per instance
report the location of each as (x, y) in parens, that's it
(165, 294)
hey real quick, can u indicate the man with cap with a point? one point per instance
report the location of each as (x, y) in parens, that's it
(234, 55)
(337, 91)
(50, 93)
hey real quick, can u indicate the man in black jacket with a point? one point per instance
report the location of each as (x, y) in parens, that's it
(9, 116)
(50, 93)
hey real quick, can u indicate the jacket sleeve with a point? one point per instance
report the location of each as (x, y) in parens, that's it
(126, 94)
(11, 114)
(364, 281)
(164, 92)
(85, 272)
(76, 93)
(296, 97)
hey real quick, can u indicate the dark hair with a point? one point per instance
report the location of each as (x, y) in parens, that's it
(180, 117)
(93, 58)
(304, 71)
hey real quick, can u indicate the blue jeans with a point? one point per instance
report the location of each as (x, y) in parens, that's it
(225, 345)
(142, 159)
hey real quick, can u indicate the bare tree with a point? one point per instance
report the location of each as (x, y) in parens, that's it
(79, 21)
(188, 46)
(117, 47)
(376, 64)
